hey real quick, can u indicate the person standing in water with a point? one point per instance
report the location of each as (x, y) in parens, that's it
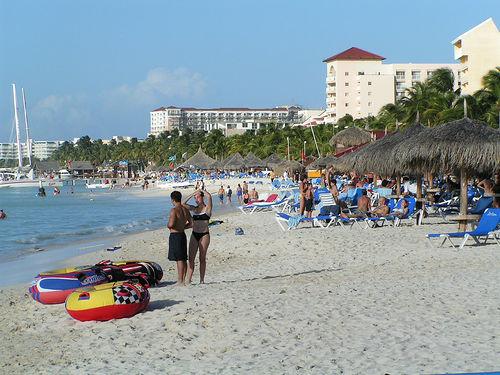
(200, 238)
(229, 194)
(3, 215)
(180, 219)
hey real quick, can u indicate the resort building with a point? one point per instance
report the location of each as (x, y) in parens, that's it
(230, 120)
(359, 84)
(478, 51)
(41, 149)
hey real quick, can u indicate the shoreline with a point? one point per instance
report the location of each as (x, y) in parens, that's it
(17, 269)
(309, 300)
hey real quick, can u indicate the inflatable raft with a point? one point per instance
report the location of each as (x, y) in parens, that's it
(108, 301)
(54, 286)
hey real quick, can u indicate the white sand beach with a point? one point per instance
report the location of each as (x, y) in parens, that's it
(308, 301)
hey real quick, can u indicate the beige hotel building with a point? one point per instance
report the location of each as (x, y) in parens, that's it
(478, 51)
(359, 84)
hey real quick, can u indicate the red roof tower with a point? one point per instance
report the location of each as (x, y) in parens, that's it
(354, 53)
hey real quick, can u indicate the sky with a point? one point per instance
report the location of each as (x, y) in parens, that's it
(97, 68)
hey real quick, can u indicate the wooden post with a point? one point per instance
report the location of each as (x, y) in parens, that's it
(398, 184)
(420, 203)
(462, 226)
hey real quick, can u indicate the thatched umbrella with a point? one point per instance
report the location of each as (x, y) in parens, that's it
(322, 162)
(236, 161)
(273, 160)
(218, 164)
(464, 146)
(252, 161)
(292, 165)
(384, 155)
(200, 160)
(349, 137)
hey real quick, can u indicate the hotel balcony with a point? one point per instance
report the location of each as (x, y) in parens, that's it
(330, 79)
(331, 89)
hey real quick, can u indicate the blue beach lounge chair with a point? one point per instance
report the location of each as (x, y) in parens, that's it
(488, 226)
(288, 222)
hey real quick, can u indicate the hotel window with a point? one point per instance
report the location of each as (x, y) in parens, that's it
(429, 73)
(346, 94)
(361, 73)
(347, 84)
(369, 83)
(346, 73)
(369, 104)
(415, 75)
(369, 93)
(400, 74)
(347, 104)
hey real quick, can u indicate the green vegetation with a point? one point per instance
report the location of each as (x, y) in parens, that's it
(434, 101)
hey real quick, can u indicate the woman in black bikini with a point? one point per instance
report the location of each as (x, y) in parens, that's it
(200, 238)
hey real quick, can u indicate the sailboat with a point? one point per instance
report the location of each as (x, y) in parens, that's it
(19, 178)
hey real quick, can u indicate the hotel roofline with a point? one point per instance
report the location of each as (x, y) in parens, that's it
(235, 109)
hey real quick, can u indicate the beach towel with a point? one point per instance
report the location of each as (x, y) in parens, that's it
(294, 221)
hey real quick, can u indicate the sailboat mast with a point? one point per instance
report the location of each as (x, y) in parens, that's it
(16, 118)
(28, 141)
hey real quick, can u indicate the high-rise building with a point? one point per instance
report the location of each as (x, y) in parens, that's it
(359, 84)
(41, 149)
(242, 119)
(478, 51)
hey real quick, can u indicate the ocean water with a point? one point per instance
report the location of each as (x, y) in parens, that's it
(35, 224)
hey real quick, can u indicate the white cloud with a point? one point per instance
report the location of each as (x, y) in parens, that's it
(60, 114)
(160, 84)
(124, 108)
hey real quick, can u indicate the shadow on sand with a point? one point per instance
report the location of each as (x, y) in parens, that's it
(161, 304)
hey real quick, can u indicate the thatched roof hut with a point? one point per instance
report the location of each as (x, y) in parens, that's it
(200, 160)
(236, 161)
(349, 137)
(252, 161)
(385, 156)
(272, 160)
(464, 144)
(322, 162)
(292, 165)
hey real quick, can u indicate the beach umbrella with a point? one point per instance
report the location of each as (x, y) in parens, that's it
(464, 147)
(200, 160)
(273, 160)
(292, 165)
(322, 162)
(352, 136)
(384, 156)
(252, 161)
(218, 164)
(236, 161)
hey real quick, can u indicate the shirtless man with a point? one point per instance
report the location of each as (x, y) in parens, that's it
(254, 196)
(309, 199)
(179, 220)
(364, 203)
(2, 215)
